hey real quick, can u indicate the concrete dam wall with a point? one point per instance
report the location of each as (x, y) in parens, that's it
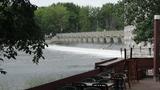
(89, 37)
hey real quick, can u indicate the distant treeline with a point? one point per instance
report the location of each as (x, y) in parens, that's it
(68, 17)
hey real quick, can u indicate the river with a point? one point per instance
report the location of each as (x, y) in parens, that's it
(60, 62)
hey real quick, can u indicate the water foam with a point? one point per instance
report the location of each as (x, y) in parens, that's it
(88, 51)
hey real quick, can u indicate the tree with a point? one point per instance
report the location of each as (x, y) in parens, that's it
(73, 25)
(119, 15)
(93, 18)
(53, 19)
(60, 18)
(73, 18)
(18, 30)
(39, 18)
(106, 16)
(111, 16)
(140, 13)
(84, 21)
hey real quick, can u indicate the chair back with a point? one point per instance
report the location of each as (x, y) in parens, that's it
(119, 75)
(119, 83)
(101, 86)
(97, 78)
(89, 80)
(68, 88)
(104, 81)
(80, 86)
(92, 88)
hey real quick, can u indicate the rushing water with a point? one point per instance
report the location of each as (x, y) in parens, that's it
(60, 62)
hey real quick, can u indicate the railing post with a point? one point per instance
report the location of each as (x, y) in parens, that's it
(149, 51)
(130, 52)
(121, 52)
(125, 54)
(156, 44)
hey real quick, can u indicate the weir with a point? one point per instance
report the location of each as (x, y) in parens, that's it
(90, 37)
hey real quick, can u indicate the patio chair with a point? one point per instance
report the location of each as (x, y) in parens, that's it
(104, 81)
(119, 83)
(105, 74)
(123, 79)
(97, 78)
(79, 85)
(92, 88)
(68, 88)
(89, 80)
(101, 86)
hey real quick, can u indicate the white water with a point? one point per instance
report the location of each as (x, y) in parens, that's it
(61, 61)
(88, 51)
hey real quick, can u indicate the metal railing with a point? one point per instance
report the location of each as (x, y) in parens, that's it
(137, 52)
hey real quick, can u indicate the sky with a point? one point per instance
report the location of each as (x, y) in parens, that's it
(94, 3)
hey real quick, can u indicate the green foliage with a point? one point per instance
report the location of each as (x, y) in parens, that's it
(93, 17)
(53, 19)
(106, 16)
(140, 13)
(111, 16)
(119, 15)
(73, 17)
(84, 21)
(67, 17)
(18, 30)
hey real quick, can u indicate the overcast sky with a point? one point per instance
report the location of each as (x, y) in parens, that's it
(96, 3)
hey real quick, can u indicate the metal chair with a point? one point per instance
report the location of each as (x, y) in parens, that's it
(89, 80)
(104, 81)
(79, 85)
(92, 88)
(123, 79)
(68, 88)
(119, 83)
(97, 78)
(101, 86)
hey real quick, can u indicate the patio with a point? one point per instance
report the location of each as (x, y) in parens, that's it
(145, 84)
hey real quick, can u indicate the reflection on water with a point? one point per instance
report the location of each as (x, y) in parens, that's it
(60, 62)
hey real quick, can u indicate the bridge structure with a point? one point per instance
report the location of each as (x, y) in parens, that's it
(90, 37)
